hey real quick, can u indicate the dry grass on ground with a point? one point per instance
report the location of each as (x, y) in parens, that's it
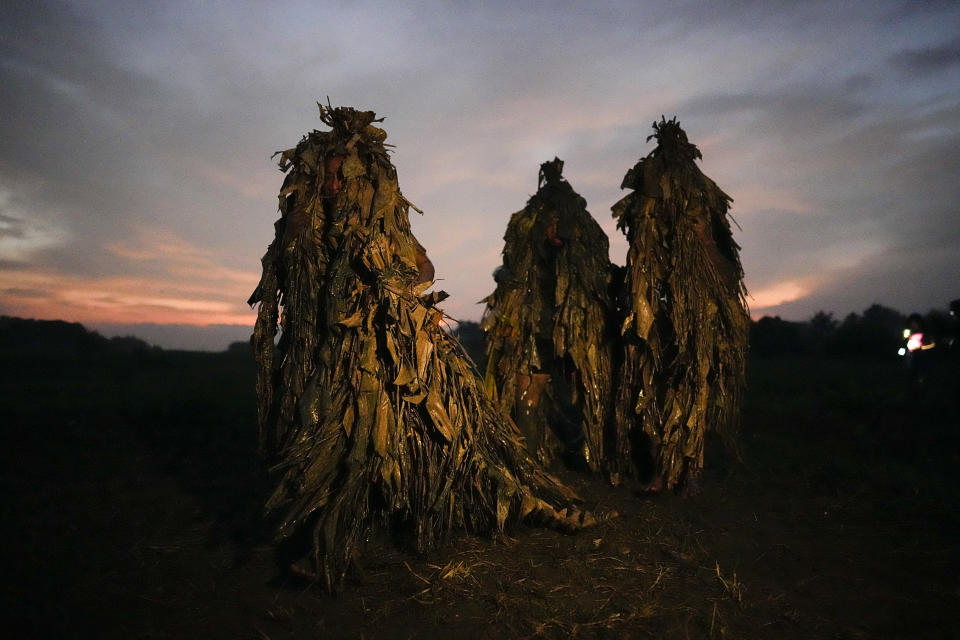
(132, 498)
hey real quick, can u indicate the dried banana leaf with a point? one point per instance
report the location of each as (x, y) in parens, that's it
(684, 321)
(549, 316)
(373, 418)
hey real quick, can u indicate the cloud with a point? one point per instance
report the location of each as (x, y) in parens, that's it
(20, 236)
(779, 293)
(17, 292)
(930, 59)
(850, 178)
(159, 278)
(906, 280)
(122, 299)
(137, 137)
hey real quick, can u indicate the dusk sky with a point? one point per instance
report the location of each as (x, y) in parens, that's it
(137, 190)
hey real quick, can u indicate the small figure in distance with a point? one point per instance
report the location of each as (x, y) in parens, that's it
(916, 349)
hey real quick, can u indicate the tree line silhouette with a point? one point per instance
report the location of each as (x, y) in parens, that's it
(54, 339)
(876, 333)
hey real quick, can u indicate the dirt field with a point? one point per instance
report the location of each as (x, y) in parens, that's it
(131, 510)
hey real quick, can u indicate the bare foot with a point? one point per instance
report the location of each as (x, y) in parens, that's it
(654, 487)
(302, 569)
(691, 487)
(613, 478)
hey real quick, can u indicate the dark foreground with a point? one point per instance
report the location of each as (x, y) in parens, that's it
(130, 510)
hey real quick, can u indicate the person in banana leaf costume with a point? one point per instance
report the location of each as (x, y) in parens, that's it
(685, 322)
(548, 341)
(373, 418)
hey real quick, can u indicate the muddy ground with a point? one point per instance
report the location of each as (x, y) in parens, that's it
(131, 496)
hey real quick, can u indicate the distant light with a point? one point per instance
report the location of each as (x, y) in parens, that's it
(901, 351)
(906, 333)
(915, 341)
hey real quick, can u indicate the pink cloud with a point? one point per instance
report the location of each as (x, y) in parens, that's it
(773, 295)
(189, 285)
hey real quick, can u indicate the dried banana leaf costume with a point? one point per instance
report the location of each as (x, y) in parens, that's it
(374, 417)
(686, 324)
(549, 316)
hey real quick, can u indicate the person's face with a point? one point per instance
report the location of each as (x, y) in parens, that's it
(332, 179)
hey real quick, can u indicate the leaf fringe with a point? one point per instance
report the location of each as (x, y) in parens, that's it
(373, 418)
(684, 323)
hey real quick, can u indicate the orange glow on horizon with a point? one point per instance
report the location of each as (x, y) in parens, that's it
(182, 284)
(779, 293)
(120, 301)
